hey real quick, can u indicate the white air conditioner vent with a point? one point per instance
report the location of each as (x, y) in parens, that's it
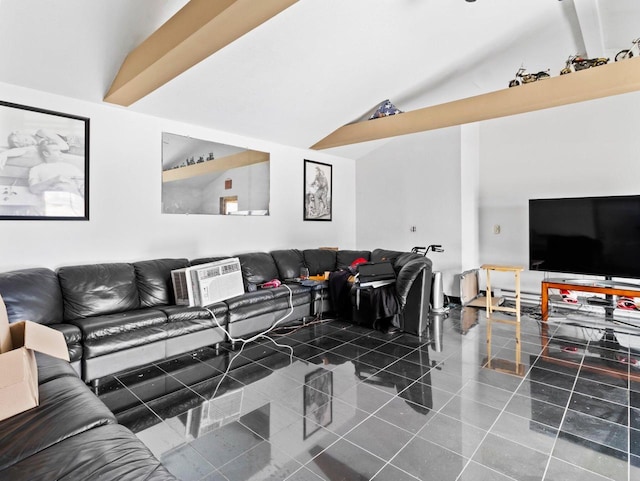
(206, 284)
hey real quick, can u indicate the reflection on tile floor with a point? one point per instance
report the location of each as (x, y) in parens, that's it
(341, 402)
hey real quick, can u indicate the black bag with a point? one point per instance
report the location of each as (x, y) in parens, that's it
(375, 271)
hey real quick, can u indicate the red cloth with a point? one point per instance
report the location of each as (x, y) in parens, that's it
(359, 260)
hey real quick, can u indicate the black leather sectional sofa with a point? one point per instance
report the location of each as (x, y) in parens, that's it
(72, 435)
(122, 315)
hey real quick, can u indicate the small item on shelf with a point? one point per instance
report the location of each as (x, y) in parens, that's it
(525, 77)
(627, 304)
(628, 53)
(385, 109)
(576, 62)
(568, 296)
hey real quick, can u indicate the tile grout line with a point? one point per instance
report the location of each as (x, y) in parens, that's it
(415, 435)
(165, 423)
(370, 415)
(520, 384)
(564, 415)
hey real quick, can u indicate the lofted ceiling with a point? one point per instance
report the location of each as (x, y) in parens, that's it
(315, 66)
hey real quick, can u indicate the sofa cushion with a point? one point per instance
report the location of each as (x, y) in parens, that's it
(297, 300)
(319, 260)
(283, 291)
(99, 327)
(67, 408)
(346, 257)
(183, 320)
(289, 263)
(248, 311)
(186, 313)
(249, 299)
(98, 289)
(122, 341)
(257, 268)
(154, 280)
(105, 453)
(187, 326)
(32, 294)
(206, 260)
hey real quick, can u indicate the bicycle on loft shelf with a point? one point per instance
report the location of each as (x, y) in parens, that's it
(628, 53)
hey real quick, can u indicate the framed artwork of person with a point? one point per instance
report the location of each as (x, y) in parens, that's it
(44, 164)
(318, 181)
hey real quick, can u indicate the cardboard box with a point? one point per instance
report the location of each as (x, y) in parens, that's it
(18, 369)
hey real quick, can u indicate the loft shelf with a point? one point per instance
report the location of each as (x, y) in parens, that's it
(597, 82)
(232, 161)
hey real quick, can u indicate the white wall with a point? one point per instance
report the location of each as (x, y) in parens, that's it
(126, 223)
(469, 197)
(585, 149)
(456, 184)
(413, 180)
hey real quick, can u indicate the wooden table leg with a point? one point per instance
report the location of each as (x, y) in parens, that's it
(544, 301)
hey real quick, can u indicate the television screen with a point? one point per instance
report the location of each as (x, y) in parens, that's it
(588, 235)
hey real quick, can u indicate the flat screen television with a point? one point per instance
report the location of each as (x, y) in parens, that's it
(587, 235)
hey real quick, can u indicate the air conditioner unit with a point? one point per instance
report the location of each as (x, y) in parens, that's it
(205, 284)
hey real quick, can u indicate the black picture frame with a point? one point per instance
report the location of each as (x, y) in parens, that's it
(44, 164)
(318, 401)
(318, 191)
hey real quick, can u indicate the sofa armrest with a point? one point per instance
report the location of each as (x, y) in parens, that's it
(73, 338)
(408, 273)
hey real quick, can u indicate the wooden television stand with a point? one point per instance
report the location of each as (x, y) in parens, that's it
(606, 287)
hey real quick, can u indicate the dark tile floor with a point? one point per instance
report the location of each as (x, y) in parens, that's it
(348, 403)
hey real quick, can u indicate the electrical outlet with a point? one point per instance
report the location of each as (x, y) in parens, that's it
(496, 229)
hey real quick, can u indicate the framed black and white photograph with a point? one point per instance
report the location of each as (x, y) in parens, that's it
(44, 164)
(317, 190)
(318, 401)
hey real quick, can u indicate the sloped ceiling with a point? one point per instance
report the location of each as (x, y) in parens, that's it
(317, 65)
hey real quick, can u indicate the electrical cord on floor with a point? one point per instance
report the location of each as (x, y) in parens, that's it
(293, 329)
(252, 338)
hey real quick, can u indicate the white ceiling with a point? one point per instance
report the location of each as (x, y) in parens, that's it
(317, 65)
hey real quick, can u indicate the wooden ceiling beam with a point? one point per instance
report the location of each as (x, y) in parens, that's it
(195, 32)
(596, 82)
